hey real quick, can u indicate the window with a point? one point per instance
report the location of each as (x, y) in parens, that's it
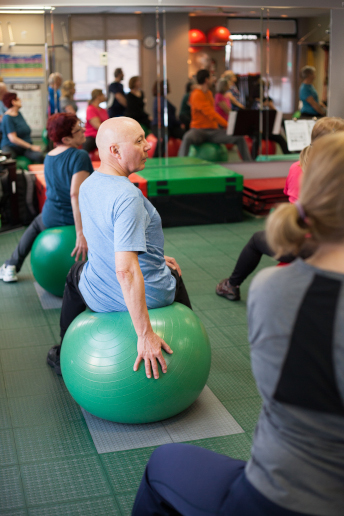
(123, 53)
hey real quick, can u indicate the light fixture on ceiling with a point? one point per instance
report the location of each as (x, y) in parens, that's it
(284, 16)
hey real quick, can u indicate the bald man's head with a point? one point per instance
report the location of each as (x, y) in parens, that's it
(122, 145)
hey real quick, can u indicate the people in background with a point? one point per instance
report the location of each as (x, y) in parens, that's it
(295, 320)
(54, 93)
(117, 101)
(222, 103)
(126, 268)
(174, 127)
(136, 103)
(205, 121)
(16, 134)
(65, 168)
(3, 108)
(185, 110)
(308, 94)
(95, 116)
(233, 93)
(251, 254)
(67, 102)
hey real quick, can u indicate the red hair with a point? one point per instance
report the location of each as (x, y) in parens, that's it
(8, 98)
(60, 126)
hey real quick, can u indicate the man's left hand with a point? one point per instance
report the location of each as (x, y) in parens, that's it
(172, 264)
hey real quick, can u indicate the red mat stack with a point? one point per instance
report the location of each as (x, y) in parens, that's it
(260, 195)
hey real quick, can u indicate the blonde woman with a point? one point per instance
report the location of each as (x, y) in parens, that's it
(296, 332)
(67, 102)
(95, 115)
(233, 93)
(251, 254)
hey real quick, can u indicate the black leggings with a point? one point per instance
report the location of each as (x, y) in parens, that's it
(73, 303)
(250, 257)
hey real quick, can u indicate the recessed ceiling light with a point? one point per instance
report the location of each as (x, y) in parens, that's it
(284, 16)
(253, 12)
(137, 12)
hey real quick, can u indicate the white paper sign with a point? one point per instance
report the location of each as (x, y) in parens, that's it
(231, 122)
(298, 133)
(103, 59)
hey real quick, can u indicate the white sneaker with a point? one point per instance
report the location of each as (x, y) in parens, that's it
(8, 273)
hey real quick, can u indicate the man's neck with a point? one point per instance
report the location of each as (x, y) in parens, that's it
(204, 88)
(111, 169)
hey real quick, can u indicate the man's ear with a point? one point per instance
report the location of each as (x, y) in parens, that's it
(114, 149)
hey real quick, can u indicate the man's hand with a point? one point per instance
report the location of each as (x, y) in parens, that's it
(80, 248)
(149, 349)
(172, 264)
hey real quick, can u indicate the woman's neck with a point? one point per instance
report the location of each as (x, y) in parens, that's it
(95, 103)
(13, 111)
(60, 148)
(329, 257)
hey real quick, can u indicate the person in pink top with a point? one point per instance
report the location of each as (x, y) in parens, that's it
(251, 254)
(222, 103)
(95, 116)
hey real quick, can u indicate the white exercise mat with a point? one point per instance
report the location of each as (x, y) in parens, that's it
(207, 417)
(48, 301)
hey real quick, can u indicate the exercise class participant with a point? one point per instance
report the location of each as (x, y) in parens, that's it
(65, 168)
(251, 254)
(308, 95)
(116, 98)
(95, 115)
(136, 103)
(16, 133)
(297, 353)
(126, 268)
(205, 120)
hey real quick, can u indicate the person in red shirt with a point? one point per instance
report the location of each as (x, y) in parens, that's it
(205, 121)
(95, 116)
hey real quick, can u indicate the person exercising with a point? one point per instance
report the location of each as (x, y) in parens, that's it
(126, 268)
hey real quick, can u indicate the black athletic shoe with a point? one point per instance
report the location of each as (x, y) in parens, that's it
(53, 359)
(225, 289)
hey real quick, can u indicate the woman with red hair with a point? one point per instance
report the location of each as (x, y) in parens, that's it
(65, 168)
(16, 134)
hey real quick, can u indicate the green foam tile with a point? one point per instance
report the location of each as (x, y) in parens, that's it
(2, 387)
(21, 512)
(233, 385)
(126, 502)
(237, 446)
(24, 358)
(195, 274)
(55, 330)
(53, 316)
(5, 418)
(226, 360)
(11, 491)
(246, 412)
(98, 507)
(27, 320)
(24, 287)
(236, 335)
(19, 337)
(33, 382)
(209, 301)
(53, 442)
(21, 305)
(64, 480)
(217, 338)
(224, 316)
(125, 468)
(44, 410)
(201, 286)
(8, 455)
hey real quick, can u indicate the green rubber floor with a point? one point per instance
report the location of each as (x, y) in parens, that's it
(48, 463)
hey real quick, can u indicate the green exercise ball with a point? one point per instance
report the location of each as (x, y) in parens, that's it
(45, 138)
(209, 151)
(23, 163)
(98, 355)
(51, 258)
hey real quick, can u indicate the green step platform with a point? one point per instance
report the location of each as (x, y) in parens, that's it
(174, 162)
(279, 157)
(188, 180)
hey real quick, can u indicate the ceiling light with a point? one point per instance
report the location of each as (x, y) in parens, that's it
(137, 12)
(27, 7)
(284, 16)
(24, 11)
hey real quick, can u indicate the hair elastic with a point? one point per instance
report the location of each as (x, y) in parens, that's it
(301, 211)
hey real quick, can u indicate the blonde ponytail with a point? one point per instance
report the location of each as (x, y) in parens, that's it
(285, 230)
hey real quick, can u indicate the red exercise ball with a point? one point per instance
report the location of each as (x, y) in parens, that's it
(218, 35)
(197, 36)
(193, 50)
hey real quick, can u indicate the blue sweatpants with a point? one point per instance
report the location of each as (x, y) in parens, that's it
(181, 479)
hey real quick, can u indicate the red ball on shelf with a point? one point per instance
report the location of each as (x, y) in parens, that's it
(197, 36)
(218, 35)
(193, 50)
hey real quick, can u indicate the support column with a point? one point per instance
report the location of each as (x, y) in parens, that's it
(336, 68)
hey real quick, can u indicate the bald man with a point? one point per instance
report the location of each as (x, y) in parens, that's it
(126, 268)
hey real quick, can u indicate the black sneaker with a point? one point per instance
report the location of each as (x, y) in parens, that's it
(225, 289)
(53, 359)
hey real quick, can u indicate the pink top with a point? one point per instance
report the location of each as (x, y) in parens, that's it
(219, 97)
(292, 184)
(92, 112)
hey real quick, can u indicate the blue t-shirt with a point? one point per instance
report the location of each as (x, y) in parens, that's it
(58, 172)
(308, 90)
(3, 110)
(51, 93)
(117, 217)
(15, 124)
(115, 108)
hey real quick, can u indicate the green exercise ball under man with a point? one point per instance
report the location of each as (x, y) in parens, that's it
(97, 357)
